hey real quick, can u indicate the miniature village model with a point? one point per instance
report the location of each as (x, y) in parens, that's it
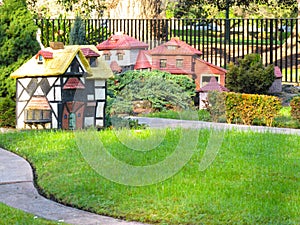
(62, 87)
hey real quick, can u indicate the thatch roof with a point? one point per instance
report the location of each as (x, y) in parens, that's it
(102, 70)
(60, 62)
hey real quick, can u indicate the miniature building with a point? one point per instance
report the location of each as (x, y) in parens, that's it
(177, 57)
(63, 88)
(213, 85)
(122, 50)
(276, 87)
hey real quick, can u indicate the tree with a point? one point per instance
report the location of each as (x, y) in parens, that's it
(250, 76)
(238, 8)
(77, 34)
(17, 43)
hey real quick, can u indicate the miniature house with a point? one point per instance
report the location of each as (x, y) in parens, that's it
(212, 85)
(177, 57)
(62, 87)
(121, 51)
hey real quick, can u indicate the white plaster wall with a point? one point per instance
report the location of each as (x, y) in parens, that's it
(100, 109)
(100, 93)
(100, 83)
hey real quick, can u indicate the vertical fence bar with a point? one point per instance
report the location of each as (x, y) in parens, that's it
(297, 49)
(289, 24)
(286, 53)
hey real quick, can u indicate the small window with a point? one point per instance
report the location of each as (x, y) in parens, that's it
(172, 47)
(107, 57)
(40, 59)
(179, 63)
(163, 63)
(120, 56)
(37, 115)
(93, 62)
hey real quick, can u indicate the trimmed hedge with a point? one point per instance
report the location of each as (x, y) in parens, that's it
(295, 108)
(248, 107)
(244, 108)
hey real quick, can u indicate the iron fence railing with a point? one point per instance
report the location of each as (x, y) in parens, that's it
(220, 40)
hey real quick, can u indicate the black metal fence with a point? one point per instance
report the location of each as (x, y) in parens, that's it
(221, 41)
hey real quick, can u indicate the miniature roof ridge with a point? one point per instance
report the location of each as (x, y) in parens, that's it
(222, 70)
(183, 48)
(88, 52)
(121, 41)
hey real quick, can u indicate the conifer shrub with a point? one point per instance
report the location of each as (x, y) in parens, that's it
(77, 34)
(17, 45)
(250, 76)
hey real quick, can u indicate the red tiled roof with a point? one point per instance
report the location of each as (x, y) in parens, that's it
(213, 85)
(213, 68)
(115, 67)
(45, 54)
(87, 52)
(38, 102)
(121, 41)
(73, 83)
(180, 48)
(142, 61)
(277, 72)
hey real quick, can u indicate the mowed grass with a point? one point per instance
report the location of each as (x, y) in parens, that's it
(254, 179)
(12, 216)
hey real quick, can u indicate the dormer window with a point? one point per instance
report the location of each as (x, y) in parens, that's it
(43, 55)
(93, 62)
(172, 47)
(40, 59)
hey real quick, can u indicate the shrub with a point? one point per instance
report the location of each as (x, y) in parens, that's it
(216, 105)
(248, 107)
(161, 93)
(295, 108)
(7, 112)
(250, 76)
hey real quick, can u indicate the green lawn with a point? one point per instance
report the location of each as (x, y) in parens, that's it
(13, 216)
(255, 178)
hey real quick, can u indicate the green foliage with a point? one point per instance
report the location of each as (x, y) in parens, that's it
(7, 112)
(161, 93)
(295, 108)
(17, 44)
(216, 105)
(248, 107)
(250, 76)
(157, 87)
(77, 34)
(120, 81)
(117, 122)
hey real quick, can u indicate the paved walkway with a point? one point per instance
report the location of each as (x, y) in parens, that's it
(161, 123)
(17, 187)
(17, 190)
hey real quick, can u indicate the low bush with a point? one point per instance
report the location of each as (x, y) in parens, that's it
(248, 107)
(295, 108)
